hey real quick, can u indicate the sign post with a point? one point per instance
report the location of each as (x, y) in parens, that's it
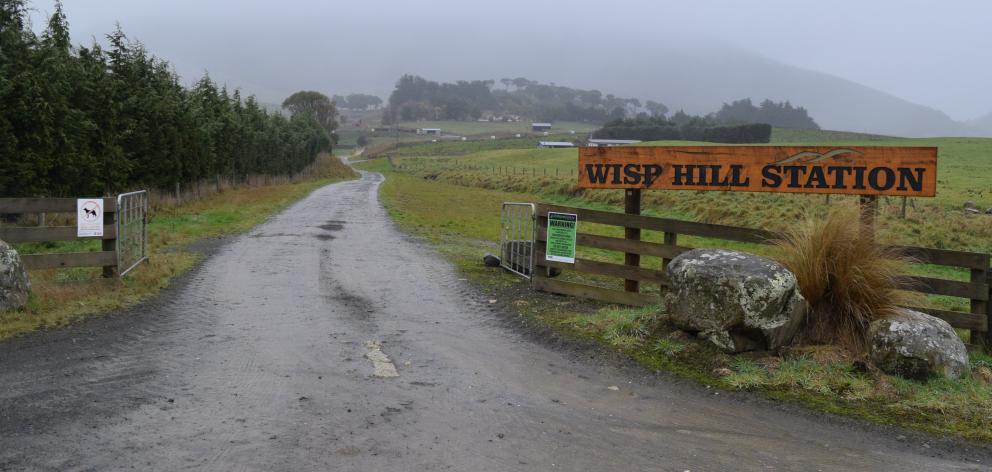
(632, 206)
(561, 237)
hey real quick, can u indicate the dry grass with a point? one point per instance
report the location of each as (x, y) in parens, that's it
(849, 280)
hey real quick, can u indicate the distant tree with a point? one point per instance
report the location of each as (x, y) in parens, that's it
(782, 114)
(691, 128)
(361, 101)
(656, 108)
(520, 82)
(314, 104)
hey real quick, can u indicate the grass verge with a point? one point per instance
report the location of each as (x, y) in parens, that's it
(821, 378)
(61, 296)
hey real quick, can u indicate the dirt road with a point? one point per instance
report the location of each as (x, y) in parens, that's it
(278, 354)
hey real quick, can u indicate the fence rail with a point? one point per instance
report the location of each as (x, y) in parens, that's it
(109, 255)
(976, 290)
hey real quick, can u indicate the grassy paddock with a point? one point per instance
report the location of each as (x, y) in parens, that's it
(549, 175)
(60, 296)
(822, 378)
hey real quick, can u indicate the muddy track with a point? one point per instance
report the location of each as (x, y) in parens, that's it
(262, 359)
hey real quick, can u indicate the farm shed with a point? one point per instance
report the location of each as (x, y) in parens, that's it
(555, 144)
(611, 142)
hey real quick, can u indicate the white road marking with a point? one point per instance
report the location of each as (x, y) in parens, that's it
(381, 365)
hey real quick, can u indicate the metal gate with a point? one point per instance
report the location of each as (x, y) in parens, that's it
(516, 238)
(132, 230)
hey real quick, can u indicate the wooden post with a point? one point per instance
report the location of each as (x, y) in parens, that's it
(982, 338)
(869, 207)
(904, 207)
(671, 239)
(632, 206)
(109, 218)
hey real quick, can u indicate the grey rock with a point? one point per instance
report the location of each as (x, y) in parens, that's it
(14, 284)
(916, 345)
(972, 211)
(737, 301)
(988, 211)
(490, 260)
(970, 204)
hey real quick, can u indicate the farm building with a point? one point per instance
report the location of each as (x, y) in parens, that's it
(555, 144)
(611, 142)
(433, 131)
(540, 126)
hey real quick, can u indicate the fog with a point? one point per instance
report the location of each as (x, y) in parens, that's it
(925, 58)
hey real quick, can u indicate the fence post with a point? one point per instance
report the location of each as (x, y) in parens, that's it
(632, 206)
(671, 239)
(982, 338)
(869, 207)
(110, 218)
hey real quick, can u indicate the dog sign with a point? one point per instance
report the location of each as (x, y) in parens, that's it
(89, 217)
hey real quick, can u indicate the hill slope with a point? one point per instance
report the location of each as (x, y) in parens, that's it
(682, 73)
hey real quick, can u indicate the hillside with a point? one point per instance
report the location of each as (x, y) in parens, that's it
(702, 79)
(693, 75)
(982, 124)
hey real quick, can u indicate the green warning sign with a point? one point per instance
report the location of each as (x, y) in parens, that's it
(561, 237)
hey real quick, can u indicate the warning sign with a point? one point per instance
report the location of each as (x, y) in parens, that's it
(561, 237)
(89, 217)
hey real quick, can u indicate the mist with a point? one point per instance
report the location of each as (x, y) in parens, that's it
(909, 68)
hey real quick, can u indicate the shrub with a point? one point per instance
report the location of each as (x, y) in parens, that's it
(847, 279)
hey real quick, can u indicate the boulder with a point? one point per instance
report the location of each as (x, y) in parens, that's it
(737, 301)
(490, 260)
(916, 345)
(970, 204)
(14, 284)
(988, 211)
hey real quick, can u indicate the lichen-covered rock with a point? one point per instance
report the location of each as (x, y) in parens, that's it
(14, 285)
(738, 301)
(916, 345)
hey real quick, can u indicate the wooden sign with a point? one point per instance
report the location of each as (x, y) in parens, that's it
(856, 170)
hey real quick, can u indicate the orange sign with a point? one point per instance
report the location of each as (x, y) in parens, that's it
(856, 170)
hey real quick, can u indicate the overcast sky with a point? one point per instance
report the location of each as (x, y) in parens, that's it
(935, 53)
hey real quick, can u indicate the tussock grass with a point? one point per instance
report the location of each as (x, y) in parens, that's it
(846, 277)
(668, 347)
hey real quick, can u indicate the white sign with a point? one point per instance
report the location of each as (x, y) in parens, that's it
(89, 217)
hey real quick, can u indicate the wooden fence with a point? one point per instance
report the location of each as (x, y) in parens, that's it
(106, 257)
(976, 290)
